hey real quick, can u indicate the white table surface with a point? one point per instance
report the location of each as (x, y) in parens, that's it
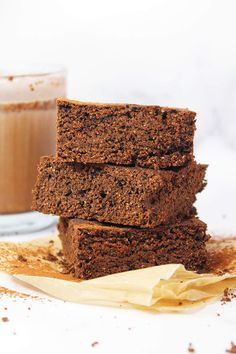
(59, 327)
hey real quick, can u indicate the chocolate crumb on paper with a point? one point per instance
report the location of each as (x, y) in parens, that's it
(94, 344)
(50, 257)
(228, 296)
(60, 253)
(190, 348)
(22, 258)
(5, 319)
(232, 349)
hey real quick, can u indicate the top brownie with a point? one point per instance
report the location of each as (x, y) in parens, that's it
(124, 134)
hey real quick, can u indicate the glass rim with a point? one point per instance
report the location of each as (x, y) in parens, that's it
(32, 70)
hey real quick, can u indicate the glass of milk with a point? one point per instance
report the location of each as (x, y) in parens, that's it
(27, 132)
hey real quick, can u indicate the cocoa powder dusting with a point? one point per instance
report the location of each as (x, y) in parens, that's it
(222, 255)
(15, 294)
(40, 257)
(32, 258)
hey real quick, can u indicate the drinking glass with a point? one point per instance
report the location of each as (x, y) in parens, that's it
(27, 132)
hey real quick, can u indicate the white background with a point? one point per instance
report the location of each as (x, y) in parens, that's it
(167, 52)
(180, 53)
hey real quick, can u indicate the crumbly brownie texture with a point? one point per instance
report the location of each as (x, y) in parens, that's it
(120, 195)
(94, 250)
(125, 134)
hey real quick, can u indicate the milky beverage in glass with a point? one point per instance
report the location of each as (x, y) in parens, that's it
(27, 132)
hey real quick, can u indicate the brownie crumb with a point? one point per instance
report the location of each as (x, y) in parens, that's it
(5, 308)
(94, 344)
(232, 349)
(5, 319)
(190, 348)
(21, 258)
(67, 269)
(218, 314)
(51, 242)
(50, 257)
(228, 296)
(10, 78)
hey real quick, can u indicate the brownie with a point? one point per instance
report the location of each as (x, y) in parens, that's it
(117, 194)
(92, 249)
(124, 134)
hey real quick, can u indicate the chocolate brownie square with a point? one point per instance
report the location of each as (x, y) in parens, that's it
(124, 134)
(92, 249)
(116, 194)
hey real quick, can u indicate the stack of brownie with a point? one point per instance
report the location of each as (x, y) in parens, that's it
(123, 182)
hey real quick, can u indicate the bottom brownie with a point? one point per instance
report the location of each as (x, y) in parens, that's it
(92, 249)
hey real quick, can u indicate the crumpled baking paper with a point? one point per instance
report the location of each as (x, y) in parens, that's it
(161, 288)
